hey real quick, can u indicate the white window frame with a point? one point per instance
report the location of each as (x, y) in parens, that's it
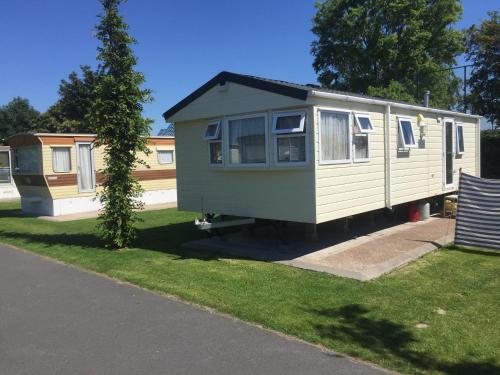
(217, 131)
(453, 146)
(457, 146)
(53, 162)
(357, 116)
(291, 133)
(11, 178)
(401, 134)
(158, 157)
(225, 135)
(300, 129)
(349, 132)
(361, 160)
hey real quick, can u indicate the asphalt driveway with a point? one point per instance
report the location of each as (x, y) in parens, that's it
(55, 319)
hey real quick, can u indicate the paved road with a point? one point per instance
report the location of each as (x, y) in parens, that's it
(55, 319)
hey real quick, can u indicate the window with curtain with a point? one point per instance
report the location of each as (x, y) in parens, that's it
(247, 140)
(61, 159)
(334, 137)
(5, 177)
(289, 137)
(460, 139)
(165, 156)
(360, 144)
(27, 160)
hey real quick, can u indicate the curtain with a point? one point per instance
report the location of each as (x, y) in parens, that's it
(85, 165)
(360, 142)
(61, 159)
(334, 136)
(165, 157)
(247, 141)
(292, 149)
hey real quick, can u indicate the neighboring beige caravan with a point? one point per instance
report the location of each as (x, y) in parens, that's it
(58, 174)
(8, 188)
(261, 148)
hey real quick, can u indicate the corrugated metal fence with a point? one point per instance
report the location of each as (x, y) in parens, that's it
(478, 212)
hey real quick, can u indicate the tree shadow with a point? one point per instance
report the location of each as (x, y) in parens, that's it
(167, 239)
(351, 324)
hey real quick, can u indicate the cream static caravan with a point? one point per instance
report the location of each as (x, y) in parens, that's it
(261, 148)
(58, 174)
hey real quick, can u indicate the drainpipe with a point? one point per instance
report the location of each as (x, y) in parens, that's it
(388, 164)
(427, 96)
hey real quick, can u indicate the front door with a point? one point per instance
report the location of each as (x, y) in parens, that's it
(448, 153)
(85, 167)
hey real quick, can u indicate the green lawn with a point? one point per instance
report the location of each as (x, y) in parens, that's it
(375, 321)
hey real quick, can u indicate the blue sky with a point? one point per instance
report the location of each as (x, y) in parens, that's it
(182, 44)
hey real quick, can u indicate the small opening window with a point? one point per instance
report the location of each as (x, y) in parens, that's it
(213, 131)
(289, 122)
(61, 159)
(165, 156)
(406, 135)
(460, 140)
(364, 123)
(5, 177)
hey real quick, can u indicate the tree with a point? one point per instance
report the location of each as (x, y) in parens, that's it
(393, 47)
(18, 116)
(483, 51)
(76, 95)
(121, 130)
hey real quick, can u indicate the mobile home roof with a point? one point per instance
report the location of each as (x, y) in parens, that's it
(296, 91)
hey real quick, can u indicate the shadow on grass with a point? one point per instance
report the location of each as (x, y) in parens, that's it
(389, 340)
(468, 250)
(167, 239)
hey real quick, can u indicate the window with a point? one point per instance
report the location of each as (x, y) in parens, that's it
(213, 134)
(361, 147)
(165, 156)
(61, 159)
(406, 133)
(363, 122)
(290, 137)
(247, 140)
(5, 177)
(460, 139)
(212, 131)
(27, 160)
(289, 122)
(334, 137)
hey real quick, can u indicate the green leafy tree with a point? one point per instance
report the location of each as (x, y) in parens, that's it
(397, 47)
(483, 51)
(18, 116)
(116, 115)
(76, 95)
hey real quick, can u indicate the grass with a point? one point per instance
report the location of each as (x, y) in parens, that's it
(375, 321)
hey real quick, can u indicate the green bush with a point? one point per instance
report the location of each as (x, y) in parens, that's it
(490, 154)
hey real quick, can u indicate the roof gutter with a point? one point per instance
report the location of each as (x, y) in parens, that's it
(357, 99)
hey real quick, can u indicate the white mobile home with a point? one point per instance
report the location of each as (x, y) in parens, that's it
(261, 148)
(8, 188)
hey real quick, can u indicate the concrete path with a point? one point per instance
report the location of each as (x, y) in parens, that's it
(55, 319)
(364, 257)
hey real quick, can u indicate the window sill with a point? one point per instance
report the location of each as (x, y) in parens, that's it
(334, 162)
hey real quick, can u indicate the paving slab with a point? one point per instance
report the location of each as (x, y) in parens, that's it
(364, 257)
(58, 320)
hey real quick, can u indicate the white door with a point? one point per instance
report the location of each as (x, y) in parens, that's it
(85, 167)
(449, 152)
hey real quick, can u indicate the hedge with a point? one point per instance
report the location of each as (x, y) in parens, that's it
(490, 154)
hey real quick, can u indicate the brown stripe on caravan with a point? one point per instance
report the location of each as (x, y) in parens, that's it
(22, 140)
(153, 141)
(29, 180)
(158, 174)
(50, 140)
(62, 179)
(69, 179)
